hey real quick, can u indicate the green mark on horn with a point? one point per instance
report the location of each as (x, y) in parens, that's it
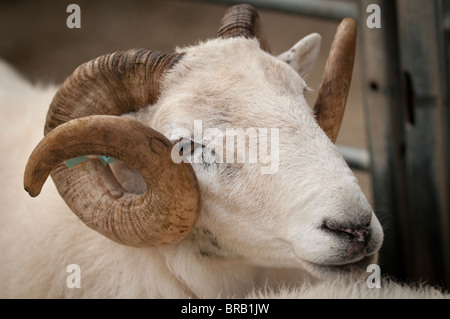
(77, 160)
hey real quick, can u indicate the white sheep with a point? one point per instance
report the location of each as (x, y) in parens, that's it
(168, 230)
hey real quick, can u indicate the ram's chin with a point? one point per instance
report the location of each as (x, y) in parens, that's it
(354, 269)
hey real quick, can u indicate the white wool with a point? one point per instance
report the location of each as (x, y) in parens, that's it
(342, 288)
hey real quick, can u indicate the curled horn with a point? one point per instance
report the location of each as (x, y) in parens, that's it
(242, 21)
(83, 120)
(332, 97)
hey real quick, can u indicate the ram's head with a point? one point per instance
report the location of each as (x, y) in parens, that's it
(147, 109)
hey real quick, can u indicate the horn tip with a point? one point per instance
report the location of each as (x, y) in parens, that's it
(30, 184)
(32, 191)
(349, 20)
(349, 23)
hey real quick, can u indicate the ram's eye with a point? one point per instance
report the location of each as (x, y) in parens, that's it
(197, 153)
(187, 149)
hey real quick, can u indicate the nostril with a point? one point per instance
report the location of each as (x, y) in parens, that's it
(360, 234)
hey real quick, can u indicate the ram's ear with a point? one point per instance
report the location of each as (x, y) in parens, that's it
(303, 55)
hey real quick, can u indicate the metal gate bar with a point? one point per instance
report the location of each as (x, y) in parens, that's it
(426, 125)
(382, 98)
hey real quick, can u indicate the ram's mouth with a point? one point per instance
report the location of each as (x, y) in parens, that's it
(353, 268)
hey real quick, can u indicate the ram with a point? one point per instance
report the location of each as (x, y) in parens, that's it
(158, 222)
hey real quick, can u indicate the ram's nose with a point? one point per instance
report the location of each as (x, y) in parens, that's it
(360, 234)
(357, 236)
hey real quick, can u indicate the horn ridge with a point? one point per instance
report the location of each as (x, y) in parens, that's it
(242, 21)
